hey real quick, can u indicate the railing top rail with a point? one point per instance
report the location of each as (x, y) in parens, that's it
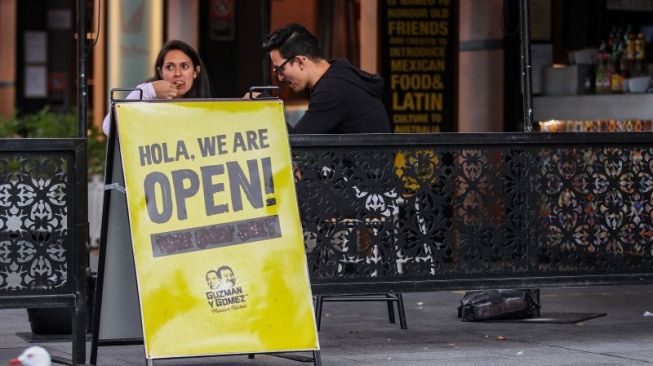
(41, 144)
(502, 138)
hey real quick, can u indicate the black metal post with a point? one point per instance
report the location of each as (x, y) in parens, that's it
(265, 22)
(527, 85)
(526, 67)
(79, 331)
(82, 93)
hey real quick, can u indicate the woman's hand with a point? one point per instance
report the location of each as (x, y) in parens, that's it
(251, 95)
(165, 89)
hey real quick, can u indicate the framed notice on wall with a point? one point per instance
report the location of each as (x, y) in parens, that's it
(419, 62)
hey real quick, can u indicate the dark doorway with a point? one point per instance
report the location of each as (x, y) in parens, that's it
(231, 34)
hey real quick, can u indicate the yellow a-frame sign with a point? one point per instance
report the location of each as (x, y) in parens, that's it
(217, 240)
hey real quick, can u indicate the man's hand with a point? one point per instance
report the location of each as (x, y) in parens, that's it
(165, 89)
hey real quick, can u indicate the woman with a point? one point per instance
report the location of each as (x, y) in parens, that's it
(178, 73)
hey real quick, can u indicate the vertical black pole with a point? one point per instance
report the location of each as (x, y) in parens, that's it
(526, 67)
(265, 29)
(79, 331)
(527, 90)
(82, 93)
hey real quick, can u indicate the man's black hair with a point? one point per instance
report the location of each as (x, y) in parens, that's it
(293, 40)
(223, 268)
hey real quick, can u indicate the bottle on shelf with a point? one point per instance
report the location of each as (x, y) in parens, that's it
(631, 41)
(615, 72)
(640, 48)
(602, 83)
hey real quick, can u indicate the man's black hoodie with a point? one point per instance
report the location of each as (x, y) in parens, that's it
(345, 100)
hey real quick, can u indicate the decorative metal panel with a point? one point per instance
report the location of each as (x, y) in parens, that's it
(35, 238)
(468, 210)
(595, 209)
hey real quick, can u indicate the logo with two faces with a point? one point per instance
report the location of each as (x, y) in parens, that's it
(221, 279)
(224, 294)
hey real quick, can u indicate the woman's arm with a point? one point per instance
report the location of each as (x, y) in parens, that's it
(148, 94)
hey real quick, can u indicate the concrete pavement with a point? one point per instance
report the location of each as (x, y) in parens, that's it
(359, 334)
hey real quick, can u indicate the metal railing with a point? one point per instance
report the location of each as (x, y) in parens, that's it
(43, 228)
(475, 211)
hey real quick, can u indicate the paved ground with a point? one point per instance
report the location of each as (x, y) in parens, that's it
(359, 334)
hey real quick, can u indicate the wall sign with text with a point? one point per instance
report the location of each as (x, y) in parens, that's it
(419, 47)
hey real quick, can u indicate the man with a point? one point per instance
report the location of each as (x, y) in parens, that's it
(212, 280)
(343, 99)
(227, 278)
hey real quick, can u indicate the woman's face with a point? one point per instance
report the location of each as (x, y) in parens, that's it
(178, 69)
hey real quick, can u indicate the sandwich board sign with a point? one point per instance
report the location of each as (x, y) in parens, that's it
(215, 233)
(119, 320)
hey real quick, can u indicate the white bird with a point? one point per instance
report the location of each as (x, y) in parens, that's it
(33, 356)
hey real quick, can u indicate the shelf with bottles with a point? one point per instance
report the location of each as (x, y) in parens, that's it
(623, 63)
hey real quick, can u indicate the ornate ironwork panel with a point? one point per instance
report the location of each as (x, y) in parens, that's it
(43, 228)
(463, 207)
(35, 194)
(595, 209)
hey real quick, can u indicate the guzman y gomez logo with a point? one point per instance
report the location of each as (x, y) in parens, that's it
(224, 295)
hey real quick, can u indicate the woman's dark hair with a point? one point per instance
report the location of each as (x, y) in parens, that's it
(293, 40)
(201, 86)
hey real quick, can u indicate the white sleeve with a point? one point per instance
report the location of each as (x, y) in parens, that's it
(148, 94)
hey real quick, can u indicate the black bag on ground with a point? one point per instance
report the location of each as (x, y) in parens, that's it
(497, 304)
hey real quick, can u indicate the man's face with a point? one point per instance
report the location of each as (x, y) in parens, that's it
(288, 72)
(228, 277)
(212, 280)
